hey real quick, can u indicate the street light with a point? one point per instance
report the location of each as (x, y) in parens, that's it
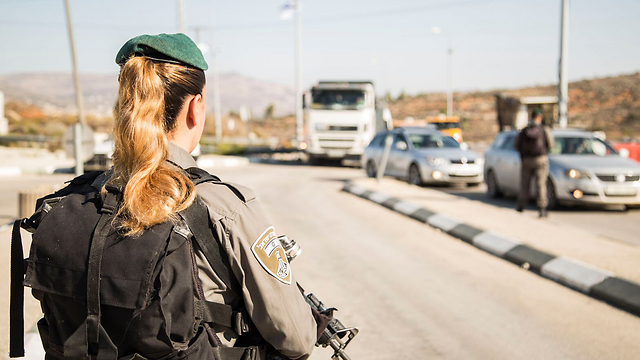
(437, 31)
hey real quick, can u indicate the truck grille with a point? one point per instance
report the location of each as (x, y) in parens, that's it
(343, 128)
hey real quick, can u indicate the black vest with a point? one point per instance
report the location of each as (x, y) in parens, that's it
(109, 296)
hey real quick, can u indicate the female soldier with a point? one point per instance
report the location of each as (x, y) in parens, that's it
(159, 119)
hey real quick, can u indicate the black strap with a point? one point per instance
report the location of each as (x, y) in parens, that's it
(94, 268)
(197, 218)
(225, 315)
(16, 302)
(199, 176)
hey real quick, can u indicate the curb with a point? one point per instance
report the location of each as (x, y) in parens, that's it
(588, 279)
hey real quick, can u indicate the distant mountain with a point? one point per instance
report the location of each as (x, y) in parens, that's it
(54, 92)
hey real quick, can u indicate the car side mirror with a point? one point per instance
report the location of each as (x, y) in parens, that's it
(464, 146)
(401, 145)
(624, 152)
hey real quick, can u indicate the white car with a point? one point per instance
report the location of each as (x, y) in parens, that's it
(583, 169)
(424, 156)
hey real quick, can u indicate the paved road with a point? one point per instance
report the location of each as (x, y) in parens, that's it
(611, 222)
(417, 293)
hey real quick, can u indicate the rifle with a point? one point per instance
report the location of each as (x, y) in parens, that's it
(335, 334)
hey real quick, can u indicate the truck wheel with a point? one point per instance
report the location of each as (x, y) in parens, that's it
(371, 169)
(414, 175)
(492, 186)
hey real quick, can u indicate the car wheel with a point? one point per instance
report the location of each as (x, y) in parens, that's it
(552, 200)
(492, 186)
(371, 169)
(414, 175)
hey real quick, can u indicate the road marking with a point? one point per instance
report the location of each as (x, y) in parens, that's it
(443, 222)
(494, 243)
(574, 274)
(378, 197)
(406, 208)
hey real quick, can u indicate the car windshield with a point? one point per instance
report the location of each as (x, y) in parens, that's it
(446, 125)
(582, 146)
(424, 141)
(338, 99)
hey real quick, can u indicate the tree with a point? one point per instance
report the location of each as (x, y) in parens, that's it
(268, 111)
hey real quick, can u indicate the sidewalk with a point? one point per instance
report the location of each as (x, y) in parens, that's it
(591, 264)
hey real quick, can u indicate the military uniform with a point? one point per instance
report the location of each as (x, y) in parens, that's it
(268, 290)
(534, 165)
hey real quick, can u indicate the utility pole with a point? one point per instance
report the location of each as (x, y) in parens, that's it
(182, 24)
(217, 112)
(298, 76)
(77, 140)
(563, 84)
(449, 77)
(436, 30)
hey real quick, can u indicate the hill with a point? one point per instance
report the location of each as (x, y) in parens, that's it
(54, 93)
(610, 104)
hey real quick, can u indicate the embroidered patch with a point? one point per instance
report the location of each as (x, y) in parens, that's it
(270, 254)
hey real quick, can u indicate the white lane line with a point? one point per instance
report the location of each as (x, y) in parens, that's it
(574, 273)
(443, 222)
(494, 243)
(378, 197)
(406, 208)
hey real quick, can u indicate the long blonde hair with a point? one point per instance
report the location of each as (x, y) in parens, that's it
(150, 96)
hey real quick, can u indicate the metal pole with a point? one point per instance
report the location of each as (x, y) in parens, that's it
(217, 112)
(299, 121)
(182, 26)
(449, 77)
(78, 88)
(563, 85)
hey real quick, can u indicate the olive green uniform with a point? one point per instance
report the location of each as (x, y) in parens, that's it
(538, 166)
(272, 300)
(278, 310)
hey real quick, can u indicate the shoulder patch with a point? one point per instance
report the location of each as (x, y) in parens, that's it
(270, 254)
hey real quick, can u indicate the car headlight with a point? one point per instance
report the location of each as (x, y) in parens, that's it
(322, 127)
(480, 161)
(576, 174)
(436, 161)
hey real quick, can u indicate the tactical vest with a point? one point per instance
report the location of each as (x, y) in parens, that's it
(109, 296)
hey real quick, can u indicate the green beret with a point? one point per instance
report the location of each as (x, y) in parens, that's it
(537, 112)
(173, 48)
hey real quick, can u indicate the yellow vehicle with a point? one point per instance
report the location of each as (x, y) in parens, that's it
(449, 125)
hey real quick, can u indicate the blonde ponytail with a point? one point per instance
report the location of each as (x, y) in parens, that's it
(154, 190)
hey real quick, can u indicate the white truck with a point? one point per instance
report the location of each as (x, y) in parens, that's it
(341, 119)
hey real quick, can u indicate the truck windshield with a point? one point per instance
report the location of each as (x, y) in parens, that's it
(338, 99)
(581, 146)
(423, 141)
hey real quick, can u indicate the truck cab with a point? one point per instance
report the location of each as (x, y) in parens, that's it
(341, 119)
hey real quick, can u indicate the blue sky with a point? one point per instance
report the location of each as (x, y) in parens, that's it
(498, 43)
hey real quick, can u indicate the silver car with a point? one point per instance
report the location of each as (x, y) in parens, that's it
(424, 156)
(582, 169)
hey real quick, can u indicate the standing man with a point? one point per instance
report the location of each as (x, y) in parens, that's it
(533, 143)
